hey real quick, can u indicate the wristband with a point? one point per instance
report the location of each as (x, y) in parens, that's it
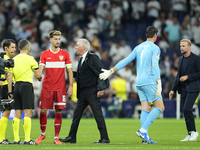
(71, 85)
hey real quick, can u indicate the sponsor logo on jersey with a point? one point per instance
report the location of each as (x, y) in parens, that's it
(61, 57)
(48, 57)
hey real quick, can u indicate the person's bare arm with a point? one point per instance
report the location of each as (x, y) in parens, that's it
(9, 77)
(38, 72)
(70, 75)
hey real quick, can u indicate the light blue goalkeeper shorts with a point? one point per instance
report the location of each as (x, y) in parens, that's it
(148, 93)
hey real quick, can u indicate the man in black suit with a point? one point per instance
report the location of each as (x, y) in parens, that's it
(188, 85)
(89, 90)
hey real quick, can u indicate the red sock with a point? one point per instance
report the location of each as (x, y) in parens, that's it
(57, 123)
(43, 122)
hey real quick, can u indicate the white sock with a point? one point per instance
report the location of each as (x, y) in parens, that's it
(143, 130)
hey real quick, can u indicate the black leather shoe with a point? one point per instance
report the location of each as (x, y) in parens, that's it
(68, 140)
(102, 141)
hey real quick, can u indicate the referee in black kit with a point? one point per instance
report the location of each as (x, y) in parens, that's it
(24, 65)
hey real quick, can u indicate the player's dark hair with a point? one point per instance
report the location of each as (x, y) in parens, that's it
(22, 44)
(7, 43)
(150, 31)
(54, 32)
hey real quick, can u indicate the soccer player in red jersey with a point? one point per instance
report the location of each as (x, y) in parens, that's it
(55, 61)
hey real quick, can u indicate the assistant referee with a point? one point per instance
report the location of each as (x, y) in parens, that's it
(23, 95)
(9, 46)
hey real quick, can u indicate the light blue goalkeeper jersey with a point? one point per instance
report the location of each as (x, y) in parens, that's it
(147, 56)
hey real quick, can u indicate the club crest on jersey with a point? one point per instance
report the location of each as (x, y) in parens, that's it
(61, 57)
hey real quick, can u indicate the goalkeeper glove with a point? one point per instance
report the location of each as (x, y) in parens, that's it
(105, 74)
(159, 88)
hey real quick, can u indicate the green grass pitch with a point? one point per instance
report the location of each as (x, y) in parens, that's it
(167, 132)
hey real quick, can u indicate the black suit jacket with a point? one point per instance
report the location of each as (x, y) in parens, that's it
(87, 74)
(192, 69)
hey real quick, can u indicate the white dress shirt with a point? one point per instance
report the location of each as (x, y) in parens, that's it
(83, 57)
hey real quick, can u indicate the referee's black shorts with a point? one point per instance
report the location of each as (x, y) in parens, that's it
(4, 91)
(23, 96)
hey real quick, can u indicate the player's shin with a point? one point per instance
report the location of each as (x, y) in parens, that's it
(15, 125)
(57, 123)
(27, 128)
(151, 117)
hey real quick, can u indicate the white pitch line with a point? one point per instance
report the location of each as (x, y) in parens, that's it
(181, 148)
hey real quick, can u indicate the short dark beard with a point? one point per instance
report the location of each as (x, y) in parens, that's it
(184, 53)
(56, 46)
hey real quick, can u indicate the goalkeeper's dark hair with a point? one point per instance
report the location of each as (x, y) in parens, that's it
(7, 43)
(22, 44)
(150, 31)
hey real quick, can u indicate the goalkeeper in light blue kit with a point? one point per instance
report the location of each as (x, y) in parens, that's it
(148, 82)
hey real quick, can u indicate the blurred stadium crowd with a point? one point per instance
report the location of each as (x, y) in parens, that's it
(114, 28)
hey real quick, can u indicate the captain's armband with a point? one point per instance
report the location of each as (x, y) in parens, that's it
(68, 66)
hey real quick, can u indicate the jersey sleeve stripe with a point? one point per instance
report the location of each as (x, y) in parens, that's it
(42, 64)
(55, 64)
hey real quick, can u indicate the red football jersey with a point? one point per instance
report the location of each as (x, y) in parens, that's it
(55, 65)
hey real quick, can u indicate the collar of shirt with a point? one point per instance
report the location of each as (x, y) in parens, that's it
(83, 57)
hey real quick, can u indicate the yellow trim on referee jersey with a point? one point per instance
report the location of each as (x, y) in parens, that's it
(24, 65)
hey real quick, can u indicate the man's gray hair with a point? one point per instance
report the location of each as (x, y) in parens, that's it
(22, 44)
(85, 42)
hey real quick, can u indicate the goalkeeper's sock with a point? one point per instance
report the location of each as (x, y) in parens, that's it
(3, 126)
(143, 117)
(27, 128)
(151, 117)
(15, 125)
